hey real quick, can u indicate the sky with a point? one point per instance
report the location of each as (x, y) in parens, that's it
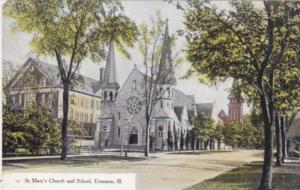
(16, 48)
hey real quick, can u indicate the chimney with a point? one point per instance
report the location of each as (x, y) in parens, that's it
(101, 74)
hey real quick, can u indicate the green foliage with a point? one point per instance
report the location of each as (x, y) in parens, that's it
(73, 29)
(206, 128)
(241, 43)
(243, 134)
(33, 128)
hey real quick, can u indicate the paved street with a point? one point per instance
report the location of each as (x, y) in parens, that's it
(165, 171)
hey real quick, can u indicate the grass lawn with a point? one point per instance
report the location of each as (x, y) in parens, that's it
(286, 177)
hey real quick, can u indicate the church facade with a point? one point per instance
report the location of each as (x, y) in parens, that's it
(123, 116)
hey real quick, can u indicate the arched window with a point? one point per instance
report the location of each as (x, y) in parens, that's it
(160, 132)
(105, 95)
(169, 92)
(161, 104)
(160, 90)
(134, 85)
(111, 95)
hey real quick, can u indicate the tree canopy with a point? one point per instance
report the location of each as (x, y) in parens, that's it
(258, 45)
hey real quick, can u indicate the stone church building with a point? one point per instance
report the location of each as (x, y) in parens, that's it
(123, 116)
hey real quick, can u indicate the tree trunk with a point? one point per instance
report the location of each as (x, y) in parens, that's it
(283, 138)
(64, 125)
(278, 141)
(147, 147)
(266, 178)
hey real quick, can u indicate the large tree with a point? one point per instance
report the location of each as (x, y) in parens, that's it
(70, 31)
(247, 43)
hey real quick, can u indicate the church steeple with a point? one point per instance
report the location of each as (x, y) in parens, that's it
(166, 69)
(110, 79)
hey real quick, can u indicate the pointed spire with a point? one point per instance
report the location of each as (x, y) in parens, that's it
(166, 66)
(110, 76)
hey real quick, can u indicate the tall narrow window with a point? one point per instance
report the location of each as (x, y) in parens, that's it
(160, 132)
(91, 118)
(111, 95)
(92, 104)
(119, 131)
(86, 103)
(134, 85)
(161, 104)
(105, 95)
(43, 81)
(169, 92)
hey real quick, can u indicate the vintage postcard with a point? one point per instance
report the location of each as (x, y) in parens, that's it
(150, 94)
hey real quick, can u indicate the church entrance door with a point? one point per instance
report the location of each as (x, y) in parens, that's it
(133, 139)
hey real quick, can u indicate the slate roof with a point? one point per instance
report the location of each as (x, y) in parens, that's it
(178, 111)
(89, 86)
(205, 108)
(182, 99)
(162, 113)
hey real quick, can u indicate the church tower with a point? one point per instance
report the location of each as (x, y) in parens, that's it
(235, 106)
(165, 88)
(110, 87)
(166, 78)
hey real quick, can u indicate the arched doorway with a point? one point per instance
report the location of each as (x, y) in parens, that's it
(133, 136)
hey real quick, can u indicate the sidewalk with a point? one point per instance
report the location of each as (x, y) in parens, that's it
(110, 152)
(57, 157)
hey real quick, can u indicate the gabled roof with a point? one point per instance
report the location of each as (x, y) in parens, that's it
(205, 108)
(164, 113)
(51, 72)
(182, 99)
